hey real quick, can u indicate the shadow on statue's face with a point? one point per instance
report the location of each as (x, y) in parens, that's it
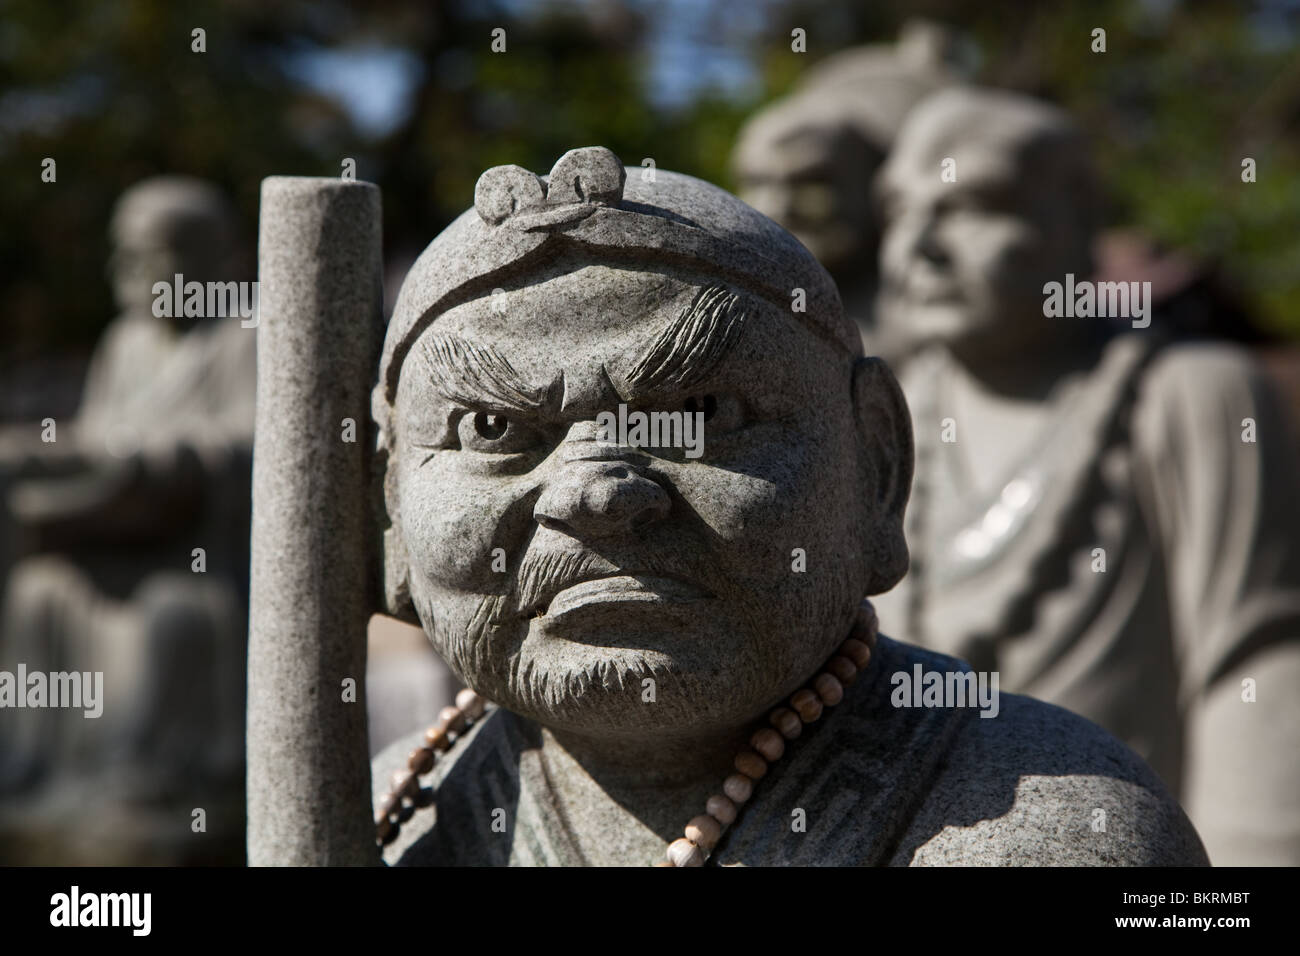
(618, 590)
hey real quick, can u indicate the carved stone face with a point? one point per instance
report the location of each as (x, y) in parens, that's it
(555, 572)
(164, 226)
(965, 261)
(814, 179)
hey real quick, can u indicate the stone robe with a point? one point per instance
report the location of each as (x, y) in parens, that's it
(1142, 458)
(879, 785)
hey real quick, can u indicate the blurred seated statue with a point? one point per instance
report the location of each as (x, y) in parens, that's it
(808, 159)
(670, 630)
(129, 529)
(1105, 519)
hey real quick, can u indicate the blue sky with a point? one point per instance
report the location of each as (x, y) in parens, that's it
(687, 53)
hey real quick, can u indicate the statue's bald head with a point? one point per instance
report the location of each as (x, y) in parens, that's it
(807, 159)
(986, 196)
(166, 225)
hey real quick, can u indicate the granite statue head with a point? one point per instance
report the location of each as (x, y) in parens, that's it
(167, 225)
(559, 564)
(808, 159)
(964, 257)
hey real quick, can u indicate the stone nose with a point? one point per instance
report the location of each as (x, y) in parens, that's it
(593, 499)
(923, 240)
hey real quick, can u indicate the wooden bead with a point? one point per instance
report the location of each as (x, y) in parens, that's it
(383, 828)
(768, 743)
(738, 787)
(828, 689)
(452, 719)
(807, 704)
(845, 671)
(682, 852)
(470, 704)
(721, 809)
(750, 764)
(867, 625)
(787, 722)
(704, 831)
(420, 760)
(436, 737)
(857, 652)
(402, 783)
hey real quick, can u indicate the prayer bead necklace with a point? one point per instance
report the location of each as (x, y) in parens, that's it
(702, 833)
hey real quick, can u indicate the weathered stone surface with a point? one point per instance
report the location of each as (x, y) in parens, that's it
(808, 159)
(313, 534)
(1092, 524)
(635, 610)
(878, 785)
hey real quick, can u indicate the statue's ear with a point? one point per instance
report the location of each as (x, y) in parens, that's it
(886, 458)
(393, 557)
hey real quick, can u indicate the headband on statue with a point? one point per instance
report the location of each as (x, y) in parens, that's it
(592, 206)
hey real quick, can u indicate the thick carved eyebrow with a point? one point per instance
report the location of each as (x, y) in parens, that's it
(691, 347)
(475, 375)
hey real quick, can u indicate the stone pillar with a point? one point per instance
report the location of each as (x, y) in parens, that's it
(315, 547)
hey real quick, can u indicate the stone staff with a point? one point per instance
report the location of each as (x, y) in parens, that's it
(314, 555)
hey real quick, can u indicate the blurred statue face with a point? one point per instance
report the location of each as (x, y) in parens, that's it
(964, 262)
(558, 572)
(816, 183)
(158, 233)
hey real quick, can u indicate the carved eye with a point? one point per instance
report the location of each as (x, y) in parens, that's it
(489, 426)
(722, 413)
(494, 433)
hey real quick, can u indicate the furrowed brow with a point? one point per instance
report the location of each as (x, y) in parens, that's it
(471, 374)
(691, 347)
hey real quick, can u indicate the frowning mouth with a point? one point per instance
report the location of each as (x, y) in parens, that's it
(613, 588)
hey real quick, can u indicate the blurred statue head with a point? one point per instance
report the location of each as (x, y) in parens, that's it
(169, 225)
(964, 257)
(557, 566)
(807, 160)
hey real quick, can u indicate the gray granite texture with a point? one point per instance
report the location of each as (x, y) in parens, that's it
(313, 535)
(879, 786)
(809, 159)
(1100, 525)
(634, 605)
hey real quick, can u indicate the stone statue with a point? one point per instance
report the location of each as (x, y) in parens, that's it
(632, 609)
(1106, 522)
(104, 514)
(808, 159)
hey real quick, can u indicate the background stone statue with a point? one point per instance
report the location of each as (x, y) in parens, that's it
(808, 159)
(633, 610)
(1105, 521)
(104, 522)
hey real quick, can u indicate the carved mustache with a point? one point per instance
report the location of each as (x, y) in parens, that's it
(543, 575)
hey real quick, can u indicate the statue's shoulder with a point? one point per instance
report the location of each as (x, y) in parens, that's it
(456, 811)
(1039, 785)
(905, 772)
(1192, 383)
